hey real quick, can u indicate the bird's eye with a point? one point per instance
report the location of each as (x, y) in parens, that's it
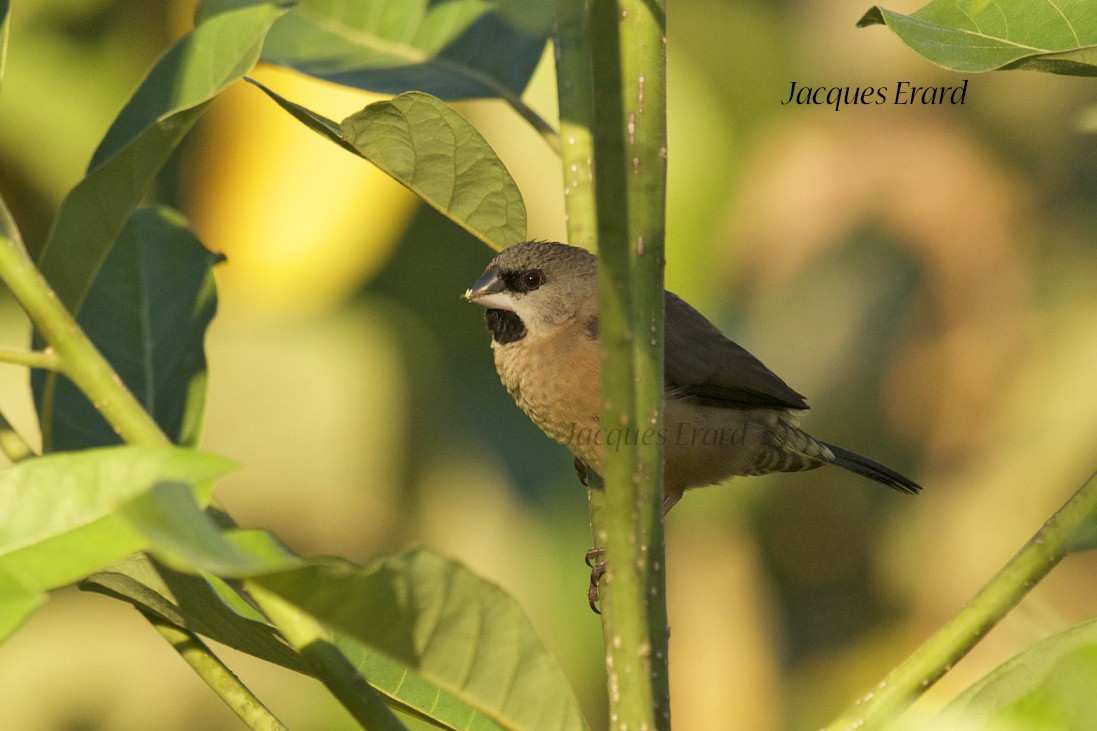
(531, 280)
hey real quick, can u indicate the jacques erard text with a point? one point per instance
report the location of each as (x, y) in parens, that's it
(905, 93)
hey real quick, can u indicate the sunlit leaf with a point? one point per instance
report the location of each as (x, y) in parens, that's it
(988, 35)
(432, 150)
(61, 515)
(458, 49)
(1048, 686)
(446, 624)
(410, 693)
(147, 311)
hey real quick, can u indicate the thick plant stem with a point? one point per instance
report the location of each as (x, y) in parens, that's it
(956, 638)
(629, 117)
(249, 708)
(81, 361)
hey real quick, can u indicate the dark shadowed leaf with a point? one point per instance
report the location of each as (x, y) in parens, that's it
(168, 102)
(202, 604)
(1048, 686)
(459, 49)
(61, 516)
(1034, 35)
(448, 625)
(147, 312)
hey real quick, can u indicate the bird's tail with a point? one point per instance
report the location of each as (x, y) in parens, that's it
(870, 469)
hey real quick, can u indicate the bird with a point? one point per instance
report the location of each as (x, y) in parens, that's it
(726, 414)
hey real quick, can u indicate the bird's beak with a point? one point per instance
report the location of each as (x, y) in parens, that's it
(490, 291)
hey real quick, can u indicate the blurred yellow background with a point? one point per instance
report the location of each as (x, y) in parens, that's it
(925, 275)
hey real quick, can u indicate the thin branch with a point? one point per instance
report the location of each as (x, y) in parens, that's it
(44, 359)
(217, 675)
(956, 638)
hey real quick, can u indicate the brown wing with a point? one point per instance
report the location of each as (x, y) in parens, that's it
(703, 365)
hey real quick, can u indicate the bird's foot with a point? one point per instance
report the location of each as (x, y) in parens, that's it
(581, 471)
(597, 566)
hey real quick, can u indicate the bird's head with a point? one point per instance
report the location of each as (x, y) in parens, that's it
(533, 287)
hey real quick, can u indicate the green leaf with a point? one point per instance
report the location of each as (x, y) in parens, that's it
(460, 49)
(147, 312)
(164, 107)
(409, 692)
(448, 625)
(1048, 686)
(182, 535)
(440, 157)
(433, 151)
(203, 604)
(990, 35)
(61, 516)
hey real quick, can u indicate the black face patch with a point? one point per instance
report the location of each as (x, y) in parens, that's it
(505, 326)
(523, 280)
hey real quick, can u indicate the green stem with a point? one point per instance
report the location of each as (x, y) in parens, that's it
(77, 357)
(955, 639)
(629, 80)
(312, 640)
(45, 359)
(249, 708)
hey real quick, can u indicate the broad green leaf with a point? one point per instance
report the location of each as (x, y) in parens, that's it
(203, 604)
(460, 49)
(164, 107)
(440, 157)
(446, 624)
(187, 537)
(61, 515)
(1048, 686)
(989, 35)
(147, 311)
(432, 150)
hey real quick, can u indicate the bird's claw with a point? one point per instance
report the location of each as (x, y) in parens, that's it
(597, 566)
